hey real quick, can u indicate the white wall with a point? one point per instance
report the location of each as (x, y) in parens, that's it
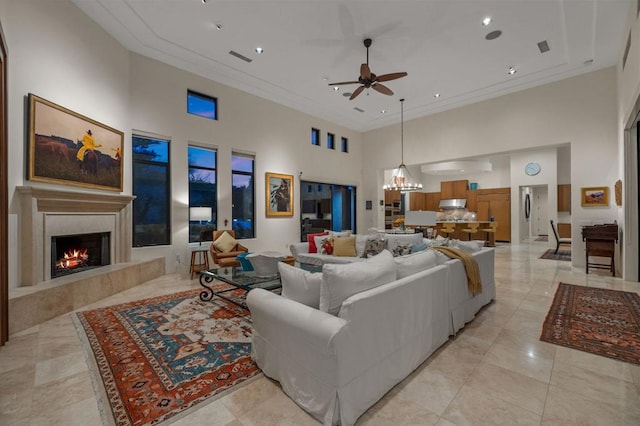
(278, 136)
(628, 110)
(57, 53)
(580, 111)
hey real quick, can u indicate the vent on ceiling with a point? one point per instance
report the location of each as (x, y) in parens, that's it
(239, 56)
(358, 109)
(543, 46)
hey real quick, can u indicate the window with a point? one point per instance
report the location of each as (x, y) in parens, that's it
(202, 192)
(243, 195)
(315, 137)
(331, 141)
(202, 105)
(151, 218)
(344, 142)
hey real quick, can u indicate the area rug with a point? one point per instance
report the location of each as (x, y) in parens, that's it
(595, 320)
(542, 238)
(560, 255)
(156, 358)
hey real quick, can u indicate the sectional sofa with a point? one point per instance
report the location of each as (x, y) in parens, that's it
(337, 341)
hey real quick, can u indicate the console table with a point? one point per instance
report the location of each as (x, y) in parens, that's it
(600, 241)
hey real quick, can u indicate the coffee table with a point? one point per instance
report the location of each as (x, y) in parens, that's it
(238, 279)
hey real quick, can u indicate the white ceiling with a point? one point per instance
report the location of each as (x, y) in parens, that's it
(309, 43)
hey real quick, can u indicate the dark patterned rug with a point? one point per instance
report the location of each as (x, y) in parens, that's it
(156, 358)
(561, 255)
(542, 238)
(595, 320)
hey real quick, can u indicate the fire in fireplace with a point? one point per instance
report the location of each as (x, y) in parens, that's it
(76, 253)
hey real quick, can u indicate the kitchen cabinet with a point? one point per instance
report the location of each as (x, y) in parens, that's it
(454, 189)
(496, 203)
(564, 198)
(432, 201)
(392, 196)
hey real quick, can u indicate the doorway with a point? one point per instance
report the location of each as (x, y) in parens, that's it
(326, 206)
(534, 213)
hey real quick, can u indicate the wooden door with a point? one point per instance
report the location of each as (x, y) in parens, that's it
(500, 210)
(483, 210)
(564, 198)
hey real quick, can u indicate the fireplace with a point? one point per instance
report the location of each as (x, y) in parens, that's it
(77, 253)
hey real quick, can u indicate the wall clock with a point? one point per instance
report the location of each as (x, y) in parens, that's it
(532, 169)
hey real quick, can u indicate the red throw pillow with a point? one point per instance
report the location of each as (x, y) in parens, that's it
(312, 242)
(328, 247)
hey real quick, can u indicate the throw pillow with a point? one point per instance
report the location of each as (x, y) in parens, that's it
(338, 233)
(322, 243)
(361, 242)
(339, 282)
(311, 238)
(373, 247)
(345, 246)
(225, 242)
(468, 246)
(300, 285)
(408, 265)
(394, 240)
(419, 247)
(402, 250)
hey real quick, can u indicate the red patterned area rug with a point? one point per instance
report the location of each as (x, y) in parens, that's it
(560, 255)
(595, 320)
(158, 357)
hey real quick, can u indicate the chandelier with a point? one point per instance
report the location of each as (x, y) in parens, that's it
(401, 180)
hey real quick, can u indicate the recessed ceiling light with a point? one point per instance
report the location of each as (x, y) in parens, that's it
(486, 21)
(325, 78)
(437, 95)
(259, 50)
(384, 111)
(511, 71)
(336, 88)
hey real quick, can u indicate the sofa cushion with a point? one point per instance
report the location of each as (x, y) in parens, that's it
(340, 282)
(300, 285)
(311, 238)
(361, 242)
(402, 250)
(225, 242)
(345, 246)
(413, 263)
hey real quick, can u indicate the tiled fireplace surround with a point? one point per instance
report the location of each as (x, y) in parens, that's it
(45, 213)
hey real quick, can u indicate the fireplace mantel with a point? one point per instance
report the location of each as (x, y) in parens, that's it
(41, 208)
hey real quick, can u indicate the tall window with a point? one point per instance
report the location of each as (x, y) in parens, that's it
(344, 144)
(202, 193)
(315, 137)
(331, 141)
(243, 195)
(151, 209)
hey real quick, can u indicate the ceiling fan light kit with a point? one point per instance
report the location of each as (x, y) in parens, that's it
(401, 180)
(369, 80)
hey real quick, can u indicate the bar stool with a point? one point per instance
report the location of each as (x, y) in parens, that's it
(448, 228)
(491, 229)
(472, 229)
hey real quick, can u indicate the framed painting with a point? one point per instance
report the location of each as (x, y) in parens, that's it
(595, 197)
(71, 149)
(279, 194)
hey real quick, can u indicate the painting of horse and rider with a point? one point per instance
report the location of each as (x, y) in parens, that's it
(68, 148)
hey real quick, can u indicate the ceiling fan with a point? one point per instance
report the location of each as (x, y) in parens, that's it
(369, 80)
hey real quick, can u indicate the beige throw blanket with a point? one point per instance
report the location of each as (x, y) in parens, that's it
(470, 265)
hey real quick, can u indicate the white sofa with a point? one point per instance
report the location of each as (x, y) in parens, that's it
(337, 366)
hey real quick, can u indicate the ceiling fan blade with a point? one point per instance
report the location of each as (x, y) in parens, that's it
(392, 76)
(344, 82)
(382, 89)
(356, 92)
(365, 72)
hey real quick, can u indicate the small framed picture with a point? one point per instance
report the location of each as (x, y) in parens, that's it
(368, 204)
(279, 194)
(595, 197)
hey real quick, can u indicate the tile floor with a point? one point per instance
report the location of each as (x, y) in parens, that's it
(494, 372)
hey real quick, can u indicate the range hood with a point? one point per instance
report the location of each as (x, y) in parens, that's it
(454, 203)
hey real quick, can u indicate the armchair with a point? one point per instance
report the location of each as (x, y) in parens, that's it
(226, 259)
